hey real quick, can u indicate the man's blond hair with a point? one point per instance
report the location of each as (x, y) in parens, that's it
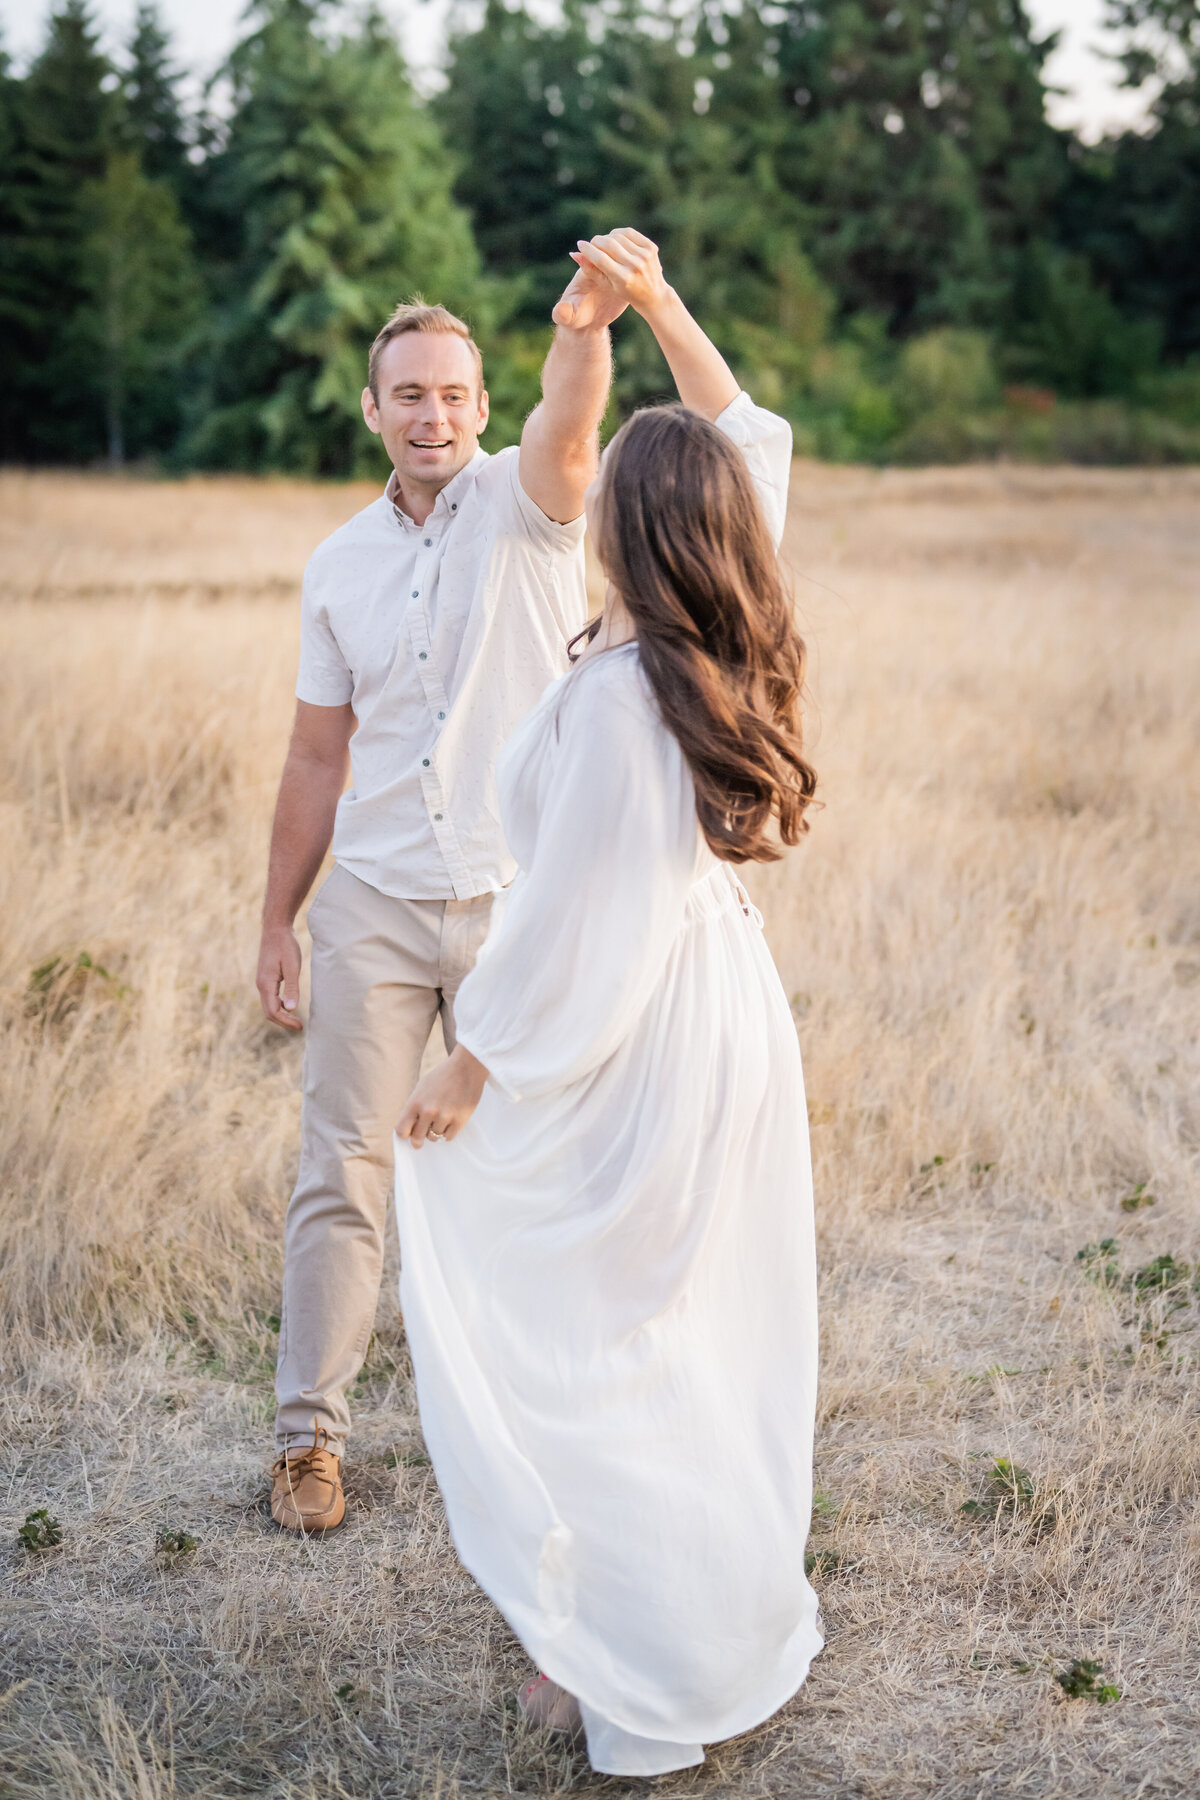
(415, 315)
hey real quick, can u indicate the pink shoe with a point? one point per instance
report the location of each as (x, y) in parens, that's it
(548, 1707)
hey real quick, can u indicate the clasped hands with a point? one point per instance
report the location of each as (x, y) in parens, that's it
(443, 1101)
(617, 269)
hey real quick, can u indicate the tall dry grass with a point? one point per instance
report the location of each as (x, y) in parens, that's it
(993, 944)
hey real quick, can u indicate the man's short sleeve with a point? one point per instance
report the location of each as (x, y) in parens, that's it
(528, 516)
(324, 678)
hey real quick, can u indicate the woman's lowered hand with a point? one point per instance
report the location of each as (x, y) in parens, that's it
(443, 1101)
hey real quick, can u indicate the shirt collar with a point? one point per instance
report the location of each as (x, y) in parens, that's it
(448, 501)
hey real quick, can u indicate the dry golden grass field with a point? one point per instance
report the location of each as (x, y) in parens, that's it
(993, 943)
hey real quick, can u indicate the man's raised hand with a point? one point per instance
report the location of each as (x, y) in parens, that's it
(589, 302)
(628, 262)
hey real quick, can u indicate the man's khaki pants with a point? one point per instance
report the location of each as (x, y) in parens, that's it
(382, 970)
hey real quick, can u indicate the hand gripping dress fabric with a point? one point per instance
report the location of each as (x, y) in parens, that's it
(609, 1280)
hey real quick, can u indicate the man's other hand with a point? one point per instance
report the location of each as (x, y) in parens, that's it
(279, 976)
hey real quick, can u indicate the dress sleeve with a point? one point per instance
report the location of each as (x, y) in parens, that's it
(765, 440)
(583, 934)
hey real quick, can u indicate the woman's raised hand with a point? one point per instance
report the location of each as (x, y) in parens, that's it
(629, 262)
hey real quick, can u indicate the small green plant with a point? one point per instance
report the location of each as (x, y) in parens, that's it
(174, 1544)
(407, 1459)
(995, 1372)
(1083, 1681)
(40, 1532)
(1165, 1284)
(987, 1660)
(1099, 1262)
(1134, 1202)
(1007, 1489)
(56, 987)
(1159, 1277)
(935, 1162)
(345, 1693)
(826, 1562)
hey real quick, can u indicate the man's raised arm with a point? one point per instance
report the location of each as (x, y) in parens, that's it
(561, 439)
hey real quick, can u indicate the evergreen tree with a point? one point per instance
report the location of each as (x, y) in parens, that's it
(151, 118)
(525, 113)
(142, 305)
(61, 125)
(609, 116)
(332, 198)
(1133, 206)
(13, 317)
(919, 149)
(691, 156)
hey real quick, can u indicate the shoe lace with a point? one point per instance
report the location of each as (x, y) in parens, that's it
(296, 1467)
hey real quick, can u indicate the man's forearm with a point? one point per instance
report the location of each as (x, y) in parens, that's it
(576, 378)
(300, 836)
(704, 379)
(560, 444)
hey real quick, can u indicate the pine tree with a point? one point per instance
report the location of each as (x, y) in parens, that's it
(142, 308)
(918, 146)
(526, 112)
(62, 124)
(1133, 206)
(13, 310)
(691, 158)
(151, 117)
(611, 116)
(332, 199)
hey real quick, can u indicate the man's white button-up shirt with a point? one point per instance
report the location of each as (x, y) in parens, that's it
(441, 636)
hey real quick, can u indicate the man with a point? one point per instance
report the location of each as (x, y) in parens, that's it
(430, 624)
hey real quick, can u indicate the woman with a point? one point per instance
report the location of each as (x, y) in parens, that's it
(609, 1283)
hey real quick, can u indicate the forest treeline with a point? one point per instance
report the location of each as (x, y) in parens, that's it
(862, 199)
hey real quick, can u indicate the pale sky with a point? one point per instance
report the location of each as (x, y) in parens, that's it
(204, 30)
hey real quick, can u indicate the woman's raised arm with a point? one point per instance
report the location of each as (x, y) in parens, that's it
(630, 261)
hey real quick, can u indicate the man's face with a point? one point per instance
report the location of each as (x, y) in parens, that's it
(431, 407)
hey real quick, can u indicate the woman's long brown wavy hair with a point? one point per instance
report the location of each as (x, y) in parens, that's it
(684, 543)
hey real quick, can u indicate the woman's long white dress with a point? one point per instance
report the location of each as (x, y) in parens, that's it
(609, 1276)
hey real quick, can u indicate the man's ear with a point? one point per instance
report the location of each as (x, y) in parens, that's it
(481, 427)
(370, 411)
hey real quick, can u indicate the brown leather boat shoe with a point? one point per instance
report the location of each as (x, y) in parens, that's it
(306, 1487)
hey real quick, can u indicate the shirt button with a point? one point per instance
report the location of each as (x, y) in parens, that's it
(415, 592)
(424, 762)
(437, 815)
(422, 656)
(428, 543)
(454, 506)
(441, 715)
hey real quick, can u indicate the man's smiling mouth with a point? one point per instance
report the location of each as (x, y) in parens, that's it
(430, 443)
